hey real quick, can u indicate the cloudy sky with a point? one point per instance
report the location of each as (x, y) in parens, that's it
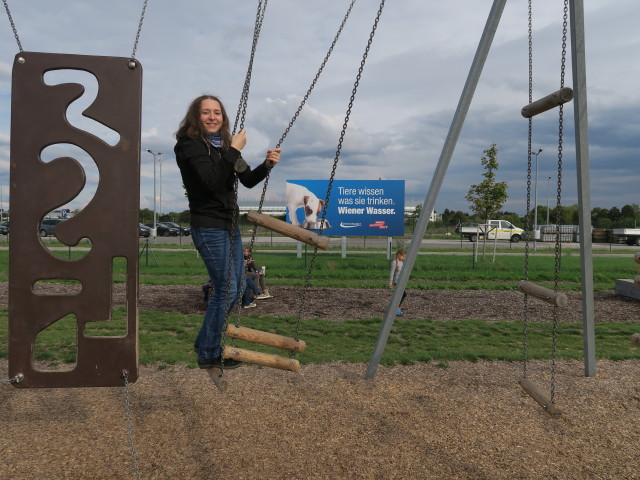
(411, 84)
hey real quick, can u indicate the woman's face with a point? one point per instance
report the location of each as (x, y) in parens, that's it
(211, 115)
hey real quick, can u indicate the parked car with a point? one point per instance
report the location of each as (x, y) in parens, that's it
(143, 230)
(48, 226)
(163, 230)
(183, 230)
(4, 228)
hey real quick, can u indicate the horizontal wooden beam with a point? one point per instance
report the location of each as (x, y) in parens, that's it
(552, 100)
(259, 358)
(534, 392)
(542, 293)
(266, 338)
(292, 231)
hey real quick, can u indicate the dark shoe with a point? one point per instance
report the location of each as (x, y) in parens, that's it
(196, 348)
(218, 362)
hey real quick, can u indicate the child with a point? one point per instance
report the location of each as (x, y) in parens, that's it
(256, 275)
(396, 266)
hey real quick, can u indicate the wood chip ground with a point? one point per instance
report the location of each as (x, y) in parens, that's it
(427, 421)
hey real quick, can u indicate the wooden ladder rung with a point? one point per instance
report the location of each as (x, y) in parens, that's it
(552, 100)
(636, 280)
(259, 358)
(292, 231)
(534, 392)
(266, 338)
(542, 293)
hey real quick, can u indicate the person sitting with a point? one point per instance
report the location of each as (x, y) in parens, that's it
(255, 274)
(207, 290)
(250, 292)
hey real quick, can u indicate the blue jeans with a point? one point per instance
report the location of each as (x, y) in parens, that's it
(251, 287)
(213, 245)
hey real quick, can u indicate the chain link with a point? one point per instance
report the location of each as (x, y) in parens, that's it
(135, 43)
(335, 161)
(127, 407)
(13, 25)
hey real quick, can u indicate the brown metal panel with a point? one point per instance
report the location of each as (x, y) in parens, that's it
(109, 220)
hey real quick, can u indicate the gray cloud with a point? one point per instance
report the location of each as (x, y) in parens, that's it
(411, 84)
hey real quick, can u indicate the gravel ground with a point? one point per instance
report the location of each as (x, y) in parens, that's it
(465, 421)
(336, 304)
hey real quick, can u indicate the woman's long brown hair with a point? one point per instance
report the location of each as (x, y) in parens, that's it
(192, 127)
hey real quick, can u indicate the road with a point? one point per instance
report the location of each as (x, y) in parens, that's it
(382, 242)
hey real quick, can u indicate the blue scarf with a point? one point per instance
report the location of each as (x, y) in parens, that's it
(215, 139)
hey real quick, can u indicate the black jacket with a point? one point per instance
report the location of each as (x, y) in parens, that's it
(208, 176)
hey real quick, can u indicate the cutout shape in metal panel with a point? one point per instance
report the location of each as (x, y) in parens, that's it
(38, 120)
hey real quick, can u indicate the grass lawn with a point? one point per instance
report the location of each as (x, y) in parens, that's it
(166, 338)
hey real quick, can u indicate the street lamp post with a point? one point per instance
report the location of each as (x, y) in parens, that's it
(548, 183)
(155, 228)
(535, 196)
(160, 164)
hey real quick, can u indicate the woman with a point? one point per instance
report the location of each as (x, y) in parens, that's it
(209, 160)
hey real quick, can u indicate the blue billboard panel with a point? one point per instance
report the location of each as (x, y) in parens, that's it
(356, 207)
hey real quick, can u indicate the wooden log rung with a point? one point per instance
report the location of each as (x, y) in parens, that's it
(534, 392)
(293, 231)
(259, 358)
(636, 257)
(636, 280)
(266, 338)
(542, 293)
(552, 100)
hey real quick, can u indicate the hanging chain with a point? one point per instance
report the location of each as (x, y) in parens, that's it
(558, 204)
(13, 25)
(525, 343)
(135, 43)
(299, 109)
(127, 407)
(239, 123)
(335, 161)
(242, 107)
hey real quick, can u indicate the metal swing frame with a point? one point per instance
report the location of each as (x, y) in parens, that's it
(576, 8)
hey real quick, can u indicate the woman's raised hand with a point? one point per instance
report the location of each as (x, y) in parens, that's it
(273, 157)
(239, 140)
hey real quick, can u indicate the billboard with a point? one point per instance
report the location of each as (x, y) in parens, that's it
(356, 207)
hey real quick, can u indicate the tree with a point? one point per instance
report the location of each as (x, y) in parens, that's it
(615, 214)
(630, 214)
(447, 216)
(488, 196)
